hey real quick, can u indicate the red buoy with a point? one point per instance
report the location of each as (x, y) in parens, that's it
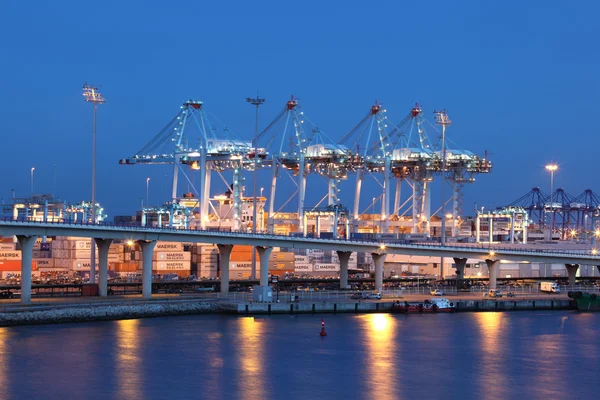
(323, 333)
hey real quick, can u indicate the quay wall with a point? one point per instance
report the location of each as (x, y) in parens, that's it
(104, 313)
(366, 307)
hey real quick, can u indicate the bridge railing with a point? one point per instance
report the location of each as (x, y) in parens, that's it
(366, 241)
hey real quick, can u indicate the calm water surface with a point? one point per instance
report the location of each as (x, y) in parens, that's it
(554, 355)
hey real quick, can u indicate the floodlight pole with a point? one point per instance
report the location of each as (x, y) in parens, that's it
(255, 102)
(441, 118)
(92, 95)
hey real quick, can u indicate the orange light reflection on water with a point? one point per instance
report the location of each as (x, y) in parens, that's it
(252, 357)
(128, 374)
(4, 362)
(492, 374)
(381, 367)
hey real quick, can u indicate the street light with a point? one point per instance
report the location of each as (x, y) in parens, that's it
(147, 192)
(441, 118)
(552, 168)
(92, 95)
(32, 169)
(54, 181)
(373, 207)
(256, 101)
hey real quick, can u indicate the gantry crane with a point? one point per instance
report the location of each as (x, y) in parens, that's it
(314, 154)
(212, 149)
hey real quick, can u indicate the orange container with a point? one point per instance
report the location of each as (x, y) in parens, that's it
(240, 257)
(240, 248)
(11, 265)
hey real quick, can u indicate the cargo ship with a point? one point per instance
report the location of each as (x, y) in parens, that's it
(586, 301)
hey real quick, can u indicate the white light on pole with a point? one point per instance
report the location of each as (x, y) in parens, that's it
(54, 181)
(32, 169)
(147, 192)
(256, 101)
(92, 95)
(552, 168)
(441, 118)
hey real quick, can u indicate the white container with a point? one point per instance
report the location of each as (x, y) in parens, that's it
(326, 267)
(242, 265)
(44, 262)
(303, 267)
(80, 264)
(168, 246)
(7, 246)
(10, 255)
(171, 265)
(171, 256)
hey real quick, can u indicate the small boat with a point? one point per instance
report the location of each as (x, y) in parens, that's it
(433, 305)
(586, 301)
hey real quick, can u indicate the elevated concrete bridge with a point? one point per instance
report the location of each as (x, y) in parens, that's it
(104, 234)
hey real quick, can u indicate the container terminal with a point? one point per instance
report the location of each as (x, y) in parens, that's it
(400, 156)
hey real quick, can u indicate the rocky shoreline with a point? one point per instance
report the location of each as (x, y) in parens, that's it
(104, 313)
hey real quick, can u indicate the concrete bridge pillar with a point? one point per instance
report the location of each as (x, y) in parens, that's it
(103, 246)
(344, 257)
(493, 267)
(147, 249)
(378, 259)
(264, 253)
(460, 263)
(26, 243)
(225, 254)
(572, 273)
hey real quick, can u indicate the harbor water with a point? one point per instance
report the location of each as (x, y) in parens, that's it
(485, 355)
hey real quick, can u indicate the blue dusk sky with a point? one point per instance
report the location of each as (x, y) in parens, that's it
(519, 79)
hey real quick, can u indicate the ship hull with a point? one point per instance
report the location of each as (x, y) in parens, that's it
(586, 301)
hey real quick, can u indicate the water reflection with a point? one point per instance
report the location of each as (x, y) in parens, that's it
(380, 339)
(214, 373)
(128, 369)
(4, 360)
(493, 381)
(253, 379)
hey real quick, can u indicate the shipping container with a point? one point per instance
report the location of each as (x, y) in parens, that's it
(238, 248)
(301, 259)
(44, 262)
(326, 267)
(241, 265)
(171, 265)
(10, 265)
(241, 257)
(171, 256)
(168, 246)
(283, 256)
(303, 267)
(10, 255)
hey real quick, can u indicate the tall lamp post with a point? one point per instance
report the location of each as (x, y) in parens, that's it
(32, 169)
(257, 102)
(441, 118)
(92, 95)
(552, 168)
(373, 207)
(54, 181)
(147, 192)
